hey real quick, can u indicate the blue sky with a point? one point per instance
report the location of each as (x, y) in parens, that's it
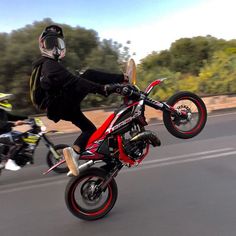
(96, 14)
(151, 25)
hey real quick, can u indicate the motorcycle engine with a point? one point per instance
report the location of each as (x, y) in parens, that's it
(135, 145)
(134, 149)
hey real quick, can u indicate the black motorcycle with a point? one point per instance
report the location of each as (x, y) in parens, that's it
(27, 142)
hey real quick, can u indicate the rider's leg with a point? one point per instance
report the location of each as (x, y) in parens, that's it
(11, 163)
(72, 154)
(7, 139)
(103, 77)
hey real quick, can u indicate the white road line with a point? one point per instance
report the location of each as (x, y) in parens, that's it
(34, 186)
(187, 155)
(209, 116)
(224, 114)
(211, 154)
(226, 154)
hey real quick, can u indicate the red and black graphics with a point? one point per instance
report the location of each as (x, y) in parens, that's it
(123, 141)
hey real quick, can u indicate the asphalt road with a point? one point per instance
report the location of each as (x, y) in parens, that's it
(183, 188)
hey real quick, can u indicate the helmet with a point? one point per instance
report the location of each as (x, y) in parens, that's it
(4, 104)
(51, 42)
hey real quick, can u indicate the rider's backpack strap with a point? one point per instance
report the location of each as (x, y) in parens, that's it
(38, 95)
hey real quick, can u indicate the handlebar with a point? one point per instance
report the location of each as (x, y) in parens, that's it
(30, 122)
(137, 95)
(33, 122)
(131, 92)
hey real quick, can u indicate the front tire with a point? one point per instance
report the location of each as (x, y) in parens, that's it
(194, 106)
(81, 198)
(51, 160)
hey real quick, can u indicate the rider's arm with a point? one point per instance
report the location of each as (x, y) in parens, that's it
(12, 117)
(15, 120)
(56, 77)
(5, 125)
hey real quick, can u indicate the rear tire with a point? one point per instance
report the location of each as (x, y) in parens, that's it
(179, 128)
(82, 203)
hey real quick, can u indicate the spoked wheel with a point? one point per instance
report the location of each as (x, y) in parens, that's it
(85, 200)
(191, 118)
(52, 160)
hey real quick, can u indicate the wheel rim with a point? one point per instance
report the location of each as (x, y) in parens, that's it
(85, 201)
(194, 118)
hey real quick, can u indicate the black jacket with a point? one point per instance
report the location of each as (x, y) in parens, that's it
(66, 91)
(7, 121)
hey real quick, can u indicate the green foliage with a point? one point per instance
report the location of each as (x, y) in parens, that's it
(220, 75)
(106, 56)
(204, 65)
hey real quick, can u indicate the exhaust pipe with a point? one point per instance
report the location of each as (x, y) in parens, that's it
(86, 165)
(149, 136)
(83, 167)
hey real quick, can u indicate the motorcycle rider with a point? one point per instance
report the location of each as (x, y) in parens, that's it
(66, 91)
(7, 121)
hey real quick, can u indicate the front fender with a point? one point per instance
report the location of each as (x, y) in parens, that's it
(55, 166)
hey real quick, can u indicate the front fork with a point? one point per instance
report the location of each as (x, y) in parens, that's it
(50, 146)
(102, 186)
(112, 174)
(163, 106)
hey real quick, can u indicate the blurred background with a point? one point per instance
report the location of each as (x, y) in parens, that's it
(192, 43)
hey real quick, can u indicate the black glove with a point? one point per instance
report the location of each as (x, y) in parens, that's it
(112, 88)
(125, 90)
(130, 91)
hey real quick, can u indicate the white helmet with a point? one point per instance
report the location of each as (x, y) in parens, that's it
(51, 42)
(4, 104)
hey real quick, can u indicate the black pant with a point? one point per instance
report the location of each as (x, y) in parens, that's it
(87, 128)
(80, 120)
(8, 139)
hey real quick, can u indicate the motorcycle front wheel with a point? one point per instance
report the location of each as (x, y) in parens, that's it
(52, 160)
(195, 120)
(83, 198)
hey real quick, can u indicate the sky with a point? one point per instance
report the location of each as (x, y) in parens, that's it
(150, 25)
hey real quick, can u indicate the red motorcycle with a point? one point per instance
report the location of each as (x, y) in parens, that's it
(122, 140)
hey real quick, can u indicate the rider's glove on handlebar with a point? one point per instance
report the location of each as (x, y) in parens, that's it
(126, 91)
(122, 89)
(112, 88)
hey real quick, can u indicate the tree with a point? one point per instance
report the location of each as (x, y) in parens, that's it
(219, 77)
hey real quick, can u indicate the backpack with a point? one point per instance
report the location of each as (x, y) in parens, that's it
(38, 95)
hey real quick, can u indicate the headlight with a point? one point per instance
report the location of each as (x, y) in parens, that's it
(43, 128)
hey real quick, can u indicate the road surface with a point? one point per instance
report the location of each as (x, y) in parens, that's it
(183, 188)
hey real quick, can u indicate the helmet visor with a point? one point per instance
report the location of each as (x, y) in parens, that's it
(54, 28)
(51, 42)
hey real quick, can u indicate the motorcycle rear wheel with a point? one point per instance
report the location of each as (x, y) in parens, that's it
(83, 202)
(194, 106)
